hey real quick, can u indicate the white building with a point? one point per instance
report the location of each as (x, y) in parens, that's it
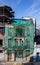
(37, 43)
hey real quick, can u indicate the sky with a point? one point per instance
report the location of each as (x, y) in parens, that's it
(24, 8)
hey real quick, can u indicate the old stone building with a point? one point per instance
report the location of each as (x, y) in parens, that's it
(6, 15)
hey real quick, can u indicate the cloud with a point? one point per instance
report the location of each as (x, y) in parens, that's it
(17, 3)
(34, 11)
(2, 2)
(33, 8)
(38, 0)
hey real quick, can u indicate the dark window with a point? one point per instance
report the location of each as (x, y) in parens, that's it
(2, 30)
(10, 31)
(38, 40)
(1, 19)
(1, 11)
(19, 53)
(1, 43)
(1, 51)
(19, 32)
(9, 43)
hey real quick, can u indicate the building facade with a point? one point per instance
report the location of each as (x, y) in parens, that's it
(16, 36)
(37, 43)
(6, 15)
(19, 39)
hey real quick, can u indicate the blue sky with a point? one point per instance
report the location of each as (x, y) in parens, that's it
(24, 8)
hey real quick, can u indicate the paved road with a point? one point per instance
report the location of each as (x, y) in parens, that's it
(1, 63)
(31, 63)
(10, 63)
